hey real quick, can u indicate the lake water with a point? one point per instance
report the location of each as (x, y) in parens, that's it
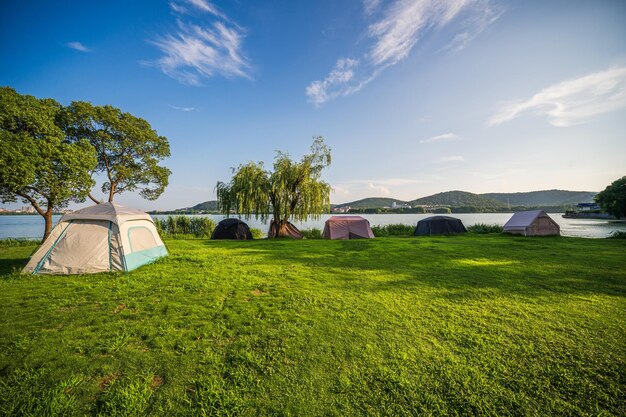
(32, 226)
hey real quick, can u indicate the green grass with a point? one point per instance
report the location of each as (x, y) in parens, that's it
(455, 325)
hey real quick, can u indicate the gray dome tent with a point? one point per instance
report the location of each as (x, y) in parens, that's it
(439, 225)
(532, 223)
(100, 238)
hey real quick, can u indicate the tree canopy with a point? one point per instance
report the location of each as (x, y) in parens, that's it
(613, 198)
(293, 190)
(129, 150)
(37, 164)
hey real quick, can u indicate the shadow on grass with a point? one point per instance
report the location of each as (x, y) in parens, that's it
(8, 266)
(459, 266)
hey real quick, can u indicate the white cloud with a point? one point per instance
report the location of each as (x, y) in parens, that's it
(445, 136)
(370, 6)
(454, 158)
(379, 189)
(198, 51)
(484, 16)
(335, 84)
(573, 101)
(205, 6)
(185, 109)
(395, 33)
(78, 46)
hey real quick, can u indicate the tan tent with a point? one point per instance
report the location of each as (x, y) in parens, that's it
(347, 227)
(100, 238)
(532, 223)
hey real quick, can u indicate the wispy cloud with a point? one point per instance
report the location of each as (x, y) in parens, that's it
(394, 34)
(573, 101)
(185, 109)
(475, 25)
(78, 46)
(196, 51)
(454, 158)
(334, 84)
(439, 138)
(370, 6)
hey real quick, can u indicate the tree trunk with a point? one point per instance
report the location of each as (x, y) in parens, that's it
(48, 224)
(112, 192)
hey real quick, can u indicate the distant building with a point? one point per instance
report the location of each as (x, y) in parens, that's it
(588, 206)
(28, 209)
(395, 205)
(344, 209)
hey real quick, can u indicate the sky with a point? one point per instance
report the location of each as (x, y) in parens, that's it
(414, 97)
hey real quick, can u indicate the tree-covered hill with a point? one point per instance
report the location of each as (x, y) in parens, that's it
(543, 198)
(457, 199)
(372, 202)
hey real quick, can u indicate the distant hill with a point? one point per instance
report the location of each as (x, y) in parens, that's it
(371, 202)
(206, 206)
(543, 198)
(457, 199)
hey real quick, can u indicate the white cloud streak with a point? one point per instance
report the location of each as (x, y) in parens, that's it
(78, 46)
(370, 6)
(321, 91)
(475, 25)
(573, 101)
(199, 51)
(395, 33)
(185, 109)
(439, 138)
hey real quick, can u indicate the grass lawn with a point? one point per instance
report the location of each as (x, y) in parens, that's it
(464, 325)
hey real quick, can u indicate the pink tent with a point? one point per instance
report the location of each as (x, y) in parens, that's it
(347, 227)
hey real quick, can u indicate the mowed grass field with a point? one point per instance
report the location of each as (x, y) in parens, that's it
(458, 325)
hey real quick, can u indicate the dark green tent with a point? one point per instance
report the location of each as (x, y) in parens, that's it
(232, 229)
(439, 225)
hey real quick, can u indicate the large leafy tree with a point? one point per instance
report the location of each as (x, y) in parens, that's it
(613, 198)
(37, 164)
(129, 150)
(293, 190)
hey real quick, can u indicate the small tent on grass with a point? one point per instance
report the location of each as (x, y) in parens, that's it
(532, 223)
(439, 225)
(232, 229)
(100, 238)
(286, 230)
(347, 227)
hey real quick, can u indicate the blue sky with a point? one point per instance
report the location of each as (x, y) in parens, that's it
(414, 97)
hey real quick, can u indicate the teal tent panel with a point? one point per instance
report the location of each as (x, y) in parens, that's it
(136, 259)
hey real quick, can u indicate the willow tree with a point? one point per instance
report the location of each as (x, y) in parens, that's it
(292, 191)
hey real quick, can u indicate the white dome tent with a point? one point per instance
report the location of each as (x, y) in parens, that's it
(100, 238)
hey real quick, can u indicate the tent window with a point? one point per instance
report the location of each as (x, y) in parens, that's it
(140, 238)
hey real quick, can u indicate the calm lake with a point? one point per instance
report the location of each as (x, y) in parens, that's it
(32, 226)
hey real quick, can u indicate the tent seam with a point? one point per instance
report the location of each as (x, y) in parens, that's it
(47, 255)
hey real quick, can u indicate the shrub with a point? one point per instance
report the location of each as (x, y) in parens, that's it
(442, 210)
(482, 228)
(185, 227)
(617, 235)
(313, 233)
(11, 242)
(393, 230)
(258, 233)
